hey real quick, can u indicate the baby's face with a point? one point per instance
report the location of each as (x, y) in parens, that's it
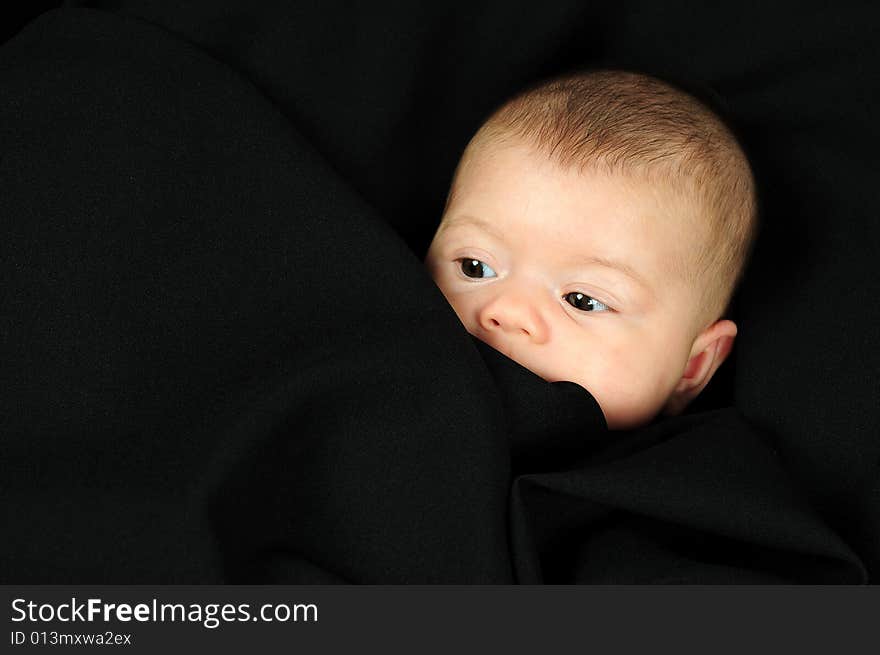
(527, 255)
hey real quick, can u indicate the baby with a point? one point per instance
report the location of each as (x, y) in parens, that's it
(596, 228)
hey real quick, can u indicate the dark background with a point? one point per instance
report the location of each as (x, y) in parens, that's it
(387, 95)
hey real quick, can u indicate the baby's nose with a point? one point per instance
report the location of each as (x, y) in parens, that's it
(513, 315)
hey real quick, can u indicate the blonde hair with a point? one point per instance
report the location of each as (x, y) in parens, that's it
(620, 122)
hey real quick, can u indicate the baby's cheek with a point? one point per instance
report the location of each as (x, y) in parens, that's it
(625, 390)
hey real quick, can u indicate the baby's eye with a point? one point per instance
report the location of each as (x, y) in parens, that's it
(475, 268)
(584, 302)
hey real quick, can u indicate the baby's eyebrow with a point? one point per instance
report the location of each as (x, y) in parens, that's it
(463, 220)
(614, 264)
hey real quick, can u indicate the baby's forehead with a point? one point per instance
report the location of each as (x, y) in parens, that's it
(588, 184)
(501, 164)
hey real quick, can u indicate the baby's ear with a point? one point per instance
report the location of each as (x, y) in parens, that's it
(709, 351)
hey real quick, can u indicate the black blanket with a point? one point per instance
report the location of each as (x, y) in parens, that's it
(221, 359)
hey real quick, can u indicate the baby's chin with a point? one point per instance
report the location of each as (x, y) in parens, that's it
(619, 420)
(627, 420)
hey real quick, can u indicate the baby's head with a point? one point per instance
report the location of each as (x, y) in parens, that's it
(595, 230)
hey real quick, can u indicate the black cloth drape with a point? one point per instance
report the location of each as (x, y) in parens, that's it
(221, 359)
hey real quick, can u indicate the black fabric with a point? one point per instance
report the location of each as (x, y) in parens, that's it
(221, 359)
(694, 499)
